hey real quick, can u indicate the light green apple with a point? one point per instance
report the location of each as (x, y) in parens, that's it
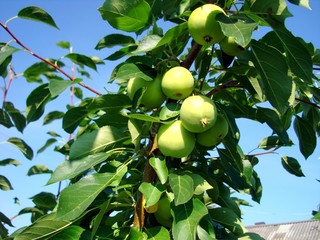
(229, 46)
(203, 25)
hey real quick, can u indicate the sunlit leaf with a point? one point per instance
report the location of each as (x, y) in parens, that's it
(85, 190)
(130, 70)
(81, 60)
(302, 3)
(152, 192)
(96, 141)
(160, 167)
(186, 218)
(170, 110)
(9, 161)
(173, 33)
(157, 233)
(44, 199)
(147, 44)
(37, 14)
(292, 166)
(143, 117)
(6, 51)
(5, 184)
(57, 86)
(64, 44)
(182, 187)
(22, 146)
(38, 169)
(130, 16)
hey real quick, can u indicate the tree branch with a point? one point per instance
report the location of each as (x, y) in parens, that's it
(307, 102)
(45, 60)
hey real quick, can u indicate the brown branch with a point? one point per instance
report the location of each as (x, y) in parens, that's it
(228, 84)
(195, 49)
(45, 60)
(307, 102)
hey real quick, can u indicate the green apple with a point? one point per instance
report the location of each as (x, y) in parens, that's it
(177, 83)
(198, 113)
(215, 134)
(153, 96)
(229, 46)
(203, 26)
(163, 214)
(174, 140)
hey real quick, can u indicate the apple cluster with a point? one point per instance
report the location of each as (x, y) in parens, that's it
(205, 29)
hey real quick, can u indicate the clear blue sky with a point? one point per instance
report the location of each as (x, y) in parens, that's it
(285, 197)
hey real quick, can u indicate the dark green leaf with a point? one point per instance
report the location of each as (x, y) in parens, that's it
(48, 143)
(32, 73)
(292, 166)
(22, 146)
(316, 57)
(186, 218)
(272, 142)
(5, 184)
(170, 110)
(160, 167)
(71, 233)
(37, 101)
(172, 34)
(5, 119)
(6, 51)
(130, 16)
(38, 169)
(157, 233)
(96, 141)
(37, 14)
(114, 40)
(228, 219)
(51, 116)
(44, 199)
(273, 69)
(17, 117)
(110, 103)
(182, 187)
(306, 135)
(9, 161)
(121, 53)
(73, 117)
(43, 228)
(81, 60)
(86, 190)
(5, 219)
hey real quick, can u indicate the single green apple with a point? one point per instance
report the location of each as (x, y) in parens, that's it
(174, 140)
(203, 25)
(198, 113)
(177, 83)
(215, 134)
(163, 214)
(229, 46)
(153, 96)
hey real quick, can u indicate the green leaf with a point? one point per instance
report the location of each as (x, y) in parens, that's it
(306, 135)
(160, 167)
(36, 102)
(58, 86)
(147, 44)
(22, 146)
(43, 228)
(32, 73)
(5, 219)
(48, 143)
(129, 16)
(182, 187)
(44, 199)
(99, 217)
(302, 3)
(121, 53)
(143, 117)
(299, 59)
(64, 44)
(186, 218)
(96, 141)
(228, 219)
(71, 233)
(151, 192)
(17, 117)
(38, 169)
(172, 34)
(75, 199)
(110, 103)
(9, 161)
(5, 119)
(157, 233)
(292, 166)
(273, 69)
(170, 110)
(37, 14)
(114, 40)
(73, 117)
(250, 236)
(6, 51)
(131, 70)
(70, 169)
(51, 116)
(81, 60)
(237, 28)
(5, 184)
(272, 142)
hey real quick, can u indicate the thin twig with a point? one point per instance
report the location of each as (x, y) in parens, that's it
(307, 102)
(45, 60)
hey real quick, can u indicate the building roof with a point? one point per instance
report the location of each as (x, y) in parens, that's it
(302, 230)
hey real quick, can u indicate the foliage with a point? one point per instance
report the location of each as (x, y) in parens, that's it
(113, 164)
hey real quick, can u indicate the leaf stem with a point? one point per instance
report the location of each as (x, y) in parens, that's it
(45, 60)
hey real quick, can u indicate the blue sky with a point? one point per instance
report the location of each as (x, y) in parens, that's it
(285, 197)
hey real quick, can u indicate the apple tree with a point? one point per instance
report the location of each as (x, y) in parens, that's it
(160, 158)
